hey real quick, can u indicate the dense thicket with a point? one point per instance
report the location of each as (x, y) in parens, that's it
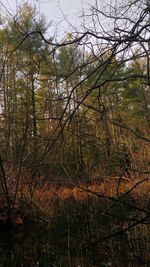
(80, 107)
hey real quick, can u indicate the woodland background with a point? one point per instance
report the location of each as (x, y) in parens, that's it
(75, 127)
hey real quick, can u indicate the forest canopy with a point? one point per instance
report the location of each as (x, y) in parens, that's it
(76, 106)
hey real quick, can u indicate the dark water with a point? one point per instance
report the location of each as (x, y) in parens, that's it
(44, 248)
(37, 250)
(76, 237)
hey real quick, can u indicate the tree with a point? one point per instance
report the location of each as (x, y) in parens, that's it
(21, 72)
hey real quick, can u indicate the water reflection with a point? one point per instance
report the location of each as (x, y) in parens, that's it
(33, 250)
(51, 248)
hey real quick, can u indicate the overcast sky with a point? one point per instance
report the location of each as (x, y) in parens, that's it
(54, 10)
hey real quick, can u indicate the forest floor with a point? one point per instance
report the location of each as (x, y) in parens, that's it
(47, 200)
(99, 220)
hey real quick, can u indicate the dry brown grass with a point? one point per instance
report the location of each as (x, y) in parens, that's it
(49, 198)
